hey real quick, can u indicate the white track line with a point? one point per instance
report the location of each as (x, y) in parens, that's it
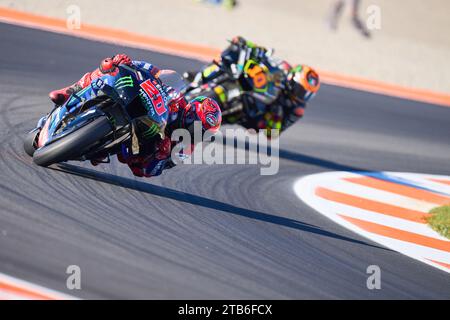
(305, 189)
(380, 195)
(15, 289)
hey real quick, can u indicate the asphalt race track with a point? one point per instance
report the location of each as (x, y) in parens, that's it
(221, 231)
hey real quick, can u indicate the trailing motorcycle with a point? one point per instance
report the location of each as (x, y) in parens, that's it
(243, 95)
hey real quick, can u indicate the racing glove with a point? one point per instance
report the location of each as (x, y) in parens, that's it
(109, 65)
(121, 58)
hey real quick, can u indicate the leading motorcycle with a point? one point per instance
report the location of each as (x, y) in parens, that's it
(97, 121)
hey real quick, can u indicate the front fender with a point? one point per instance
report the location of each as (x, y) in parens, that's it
(49, 133)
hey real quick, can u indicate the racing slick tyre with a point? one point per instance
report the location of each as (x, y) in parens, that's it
(29, 143)
(74, 145)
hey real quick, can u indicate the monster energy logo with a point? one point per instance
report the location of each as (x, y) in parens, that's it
(150, 132)
(113, 121)
(145, 100)
(123, 82)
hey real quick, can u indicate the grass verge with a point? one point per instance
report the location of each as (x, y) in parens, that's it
(440, 220)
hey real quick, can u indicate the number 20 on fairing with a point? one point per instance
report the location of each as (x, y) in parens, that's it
(155, 95)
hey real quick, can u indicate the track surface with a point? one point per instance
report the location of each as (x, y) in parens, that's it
(202, 231)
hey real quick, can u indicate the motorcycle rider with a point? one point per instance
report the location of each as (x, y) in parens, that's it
(154, 156)
(301, 83)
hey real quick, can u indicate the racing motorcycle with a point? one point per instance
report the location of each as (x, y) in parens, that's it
(241, 98)
(97, 121)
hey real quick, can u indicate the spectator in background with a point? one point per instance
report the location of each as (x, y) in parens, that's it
(336, 12)
(229, 4)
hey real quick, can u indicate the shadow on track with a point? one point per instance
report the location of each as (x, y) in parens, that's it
(299, 157)
(199, 201)
(327, 164)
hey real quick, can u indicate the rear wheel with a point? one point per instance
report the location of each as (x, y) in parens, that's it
(74, 145)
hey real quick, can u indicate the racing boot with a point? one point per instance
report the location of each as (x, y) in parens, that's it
(61, 95)
(359, 25)
(108, 65)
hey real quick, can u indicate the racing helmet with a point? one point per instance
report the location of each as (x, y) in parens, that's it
(202, 109)
(304, 82)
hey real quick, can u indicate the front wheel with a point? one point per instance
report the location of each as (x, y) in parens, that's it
(74, 145)
(29, 143)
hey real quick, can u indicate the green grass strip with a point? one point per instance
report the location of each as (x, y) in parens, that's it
(440, 220)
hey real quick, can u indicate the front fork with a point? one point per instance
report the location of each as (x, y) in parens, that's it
(41, 122)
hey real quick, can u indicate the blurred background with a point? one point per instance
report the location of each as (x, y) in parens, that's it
(403, 42)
